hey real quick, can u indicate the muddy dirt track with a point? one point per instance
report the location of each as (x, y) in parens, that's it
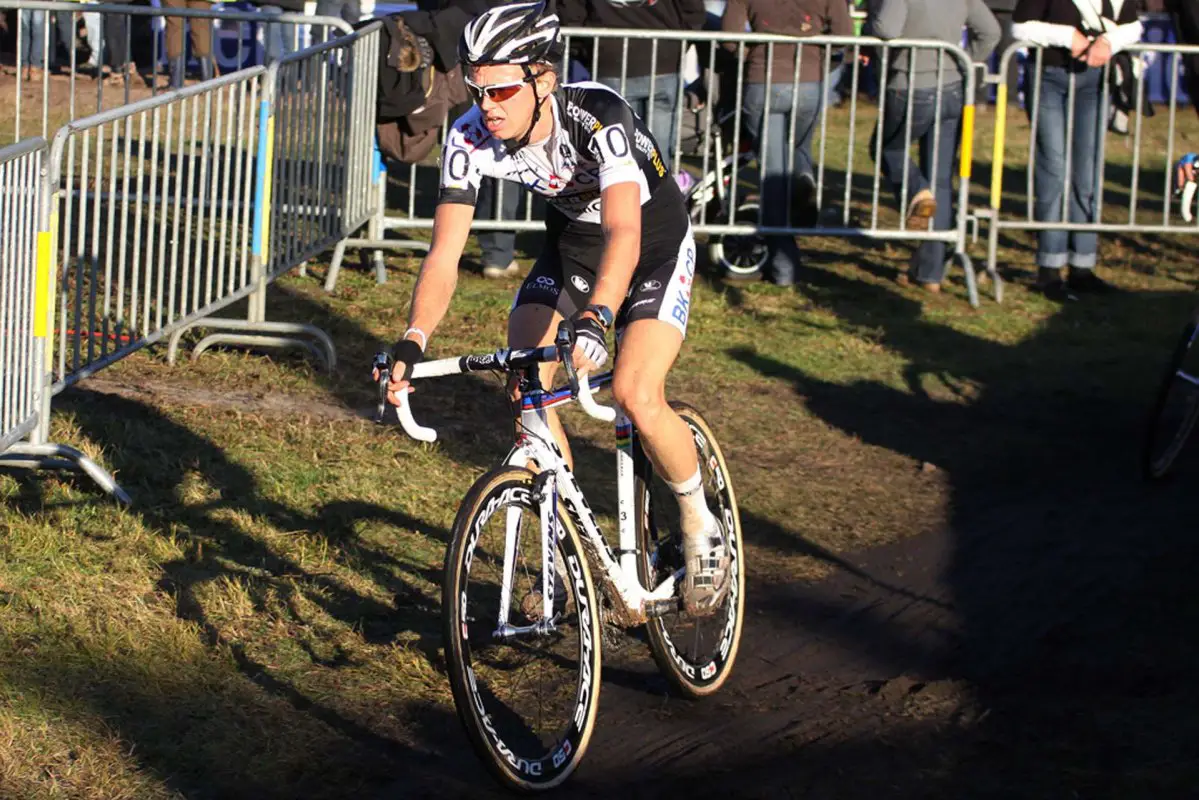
(1039, 639)
(1042, 644)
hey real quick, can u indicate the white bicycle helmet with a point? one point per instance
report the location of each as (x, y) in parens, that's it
(518, 33)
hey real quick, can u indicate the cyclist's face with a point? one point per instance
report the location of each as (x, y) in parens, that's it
(505, 97)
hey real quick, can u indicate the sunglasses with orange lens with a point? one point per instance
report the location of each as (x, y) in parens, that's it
(497, 92)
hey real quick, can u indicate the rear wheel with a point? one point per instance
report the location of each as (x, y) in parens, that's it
(527, 697)
(740, 257)
(1177, 406)
(695, 653)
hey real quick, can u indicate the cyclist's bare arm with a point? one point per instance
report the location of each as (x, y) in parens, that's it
(435, 284)
(620, 217)
(439, 271)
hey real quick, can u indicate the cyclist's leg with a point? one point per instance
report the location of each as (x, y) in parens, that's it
(648, 349)
(544, 299)
(652, 324)
(533, 325)
(650, 327)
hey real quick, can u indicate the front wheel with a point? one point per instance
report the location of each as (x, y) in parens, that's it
(1176, 408)
(526, 687)
(695, 653)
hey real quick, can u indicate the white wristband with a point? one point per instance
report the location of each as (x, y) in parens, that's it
(424, 340)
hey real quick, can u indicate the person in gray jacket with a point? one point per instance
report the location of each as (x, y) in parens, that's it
(918, 84)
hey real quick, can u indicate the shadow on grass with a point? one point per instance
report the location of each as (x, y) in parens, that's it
(153, 456)
(1067, 576)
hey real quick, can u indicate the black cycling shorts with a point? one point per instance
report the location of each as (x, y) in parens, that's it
(563, 277)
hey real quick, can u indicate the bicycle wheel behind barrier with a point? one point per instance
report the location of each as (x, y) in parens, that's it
(1177, 407)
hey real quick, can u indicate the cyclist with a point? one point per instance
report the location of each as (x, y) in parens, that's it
(618, 237)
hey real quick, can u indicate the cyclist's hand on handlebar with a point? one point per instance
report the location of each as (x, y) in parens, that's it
(406, 354)
(591, 343)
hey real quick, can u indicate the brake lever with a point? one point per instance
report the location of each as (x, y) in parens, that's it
(565, 342)
(581, 389)
(383, 364)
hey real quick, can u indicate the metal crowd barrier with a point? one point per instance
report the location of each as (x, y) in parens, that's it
(158, 204)
(315, 183)
(144, 221)
(26, 289)
(239, 40)
(1141, 204)
(851, 203)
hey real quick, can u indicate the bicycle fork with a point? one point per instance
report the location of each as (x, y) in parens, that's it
(630, 602)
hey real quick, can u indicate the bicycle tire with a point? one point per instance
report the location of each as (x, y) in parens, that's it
(661, 553)
(525, 763)
(740, 257)
(1156, 461)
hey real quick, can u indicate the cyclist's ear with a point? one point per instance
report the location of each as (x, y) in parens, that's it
(547, 80)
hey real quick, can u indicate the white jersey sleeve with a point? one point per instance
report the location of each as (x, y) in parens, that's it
(625, 151)
(466, 157)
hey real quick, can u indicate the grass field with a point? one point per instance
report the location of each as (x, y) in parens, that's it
(264, 620)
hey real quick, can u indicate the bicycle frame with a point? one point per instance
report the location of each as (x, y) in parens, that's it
(632, 602)
(714, 185)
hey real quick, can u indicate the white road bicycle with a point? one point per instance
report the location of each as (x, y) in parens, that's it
(523, 619)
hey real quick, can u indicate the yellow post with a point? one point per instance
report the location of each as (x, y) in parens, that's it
(997, 156)
(967, 142)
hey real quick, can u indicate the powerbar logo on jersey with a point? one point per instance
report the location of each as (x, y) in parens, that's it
(583, 117)
(646, 145)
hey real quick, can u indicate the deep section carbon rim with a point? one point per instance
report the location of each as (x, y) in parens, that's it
(696, 653)
(526, 696)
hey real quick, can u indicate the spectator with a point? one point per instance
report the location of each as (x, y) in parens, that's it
(1002, 9)
(115, 66)
(348, 10)
(37, 54)
(4, 14)
(92, 22)
(1186, 25)
(1080, 36)
(201, 36)
(769, 88)
(278, 38)
(930, 196)
(658, 109)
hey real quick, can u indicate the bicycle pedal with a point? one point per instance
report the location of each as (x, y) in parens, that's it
(662, 608)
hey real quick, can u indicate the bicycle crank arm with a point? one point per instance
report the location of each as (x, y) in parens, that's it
(663, 608)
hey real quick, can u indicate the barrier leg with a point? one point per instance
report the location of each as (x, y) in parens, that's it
(60, 456)
(971, 279)
(259, 333)
(993, 257)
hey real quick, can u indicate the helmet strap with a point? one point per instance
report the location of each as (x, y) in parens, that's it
(524, 140)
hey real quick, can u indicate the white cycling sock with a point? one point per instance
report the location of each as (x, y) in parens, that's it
(694, 515)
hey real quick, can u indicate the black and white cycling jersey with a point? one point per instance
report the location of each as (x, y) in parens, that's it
(597, 141)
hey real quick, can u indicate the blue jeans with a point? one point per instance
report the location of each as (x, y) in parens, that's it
(498, 246)
(277, 36)
(776, 180)
(932, 134)
(665, 98)
(1056, 249)
(33, 37)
